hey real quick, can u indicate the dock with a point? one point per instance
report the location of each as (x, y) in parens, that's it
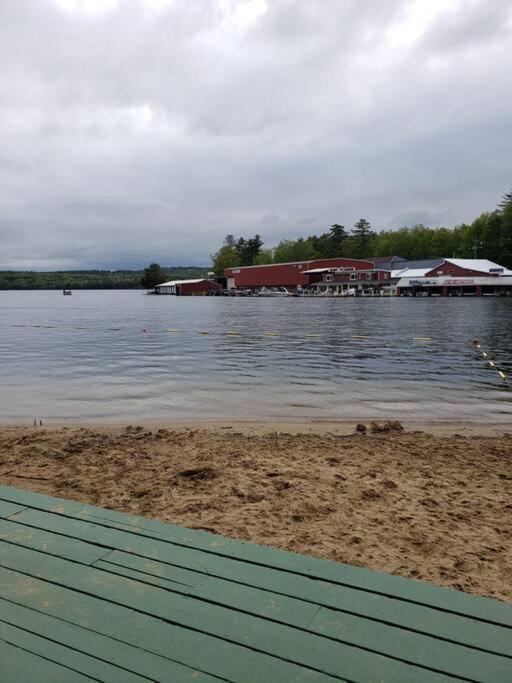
(93, 594)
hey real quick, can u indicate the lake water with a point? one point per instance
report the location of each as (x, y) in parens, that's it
(86, 357)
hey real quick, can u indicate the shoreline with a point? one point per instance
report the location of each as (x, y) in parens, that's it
(298, 426)
(432, 501)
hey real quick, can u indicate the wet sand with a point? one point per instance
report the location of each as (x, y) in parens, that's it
(432, 502)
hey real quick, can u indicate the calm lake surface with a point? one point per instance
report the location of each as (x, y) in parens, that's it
(86, 357)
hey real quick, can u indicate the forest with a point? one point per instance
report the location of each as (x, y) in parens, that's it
(488, 236)
(91, 279)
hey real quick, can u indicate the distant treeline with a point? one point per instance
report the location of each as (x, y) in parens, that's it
(488, 236)
(90, 279)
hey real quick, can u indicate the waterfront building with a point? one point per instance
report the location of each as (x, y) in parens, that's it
(200, 287)
(381, 275)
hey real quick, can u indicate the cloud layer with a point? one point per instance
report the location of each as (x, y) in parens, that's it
(135, 130)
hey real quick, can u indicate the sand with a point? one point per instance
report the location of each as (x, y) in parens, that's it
(434, 504)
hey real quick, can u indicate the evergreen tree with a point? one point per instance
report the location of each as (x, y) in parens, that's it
(362, 237)
(153, 275)
(337, 240)
(506, 200)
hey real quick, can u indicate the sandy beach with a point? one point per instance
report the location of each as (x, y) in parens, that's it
(430, 502)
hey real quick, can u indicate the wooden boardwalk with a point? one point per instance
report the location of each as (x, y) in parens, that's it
(91, 594)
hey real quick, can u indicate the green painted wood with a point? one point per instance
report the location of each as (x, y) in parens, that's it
(408, 646)
(433, 622)
(302, 648)
(7, 508)
(232, 595)
(65, 656)
(20, 666)
(405, 589)
(50, 543)
(411, 647)
(130, 659)
(228, 661)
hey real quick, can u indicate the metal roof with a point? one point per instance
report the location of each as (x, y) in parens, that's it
(410, 272)
(183, 282)
(319, 270)
(482, 265)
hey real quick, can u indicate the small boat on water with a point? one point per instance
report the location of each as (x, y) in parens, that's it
(273, 291)
(67, 292)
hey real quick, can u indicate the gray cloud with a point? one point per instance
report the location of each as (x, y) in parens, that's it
(150, 129)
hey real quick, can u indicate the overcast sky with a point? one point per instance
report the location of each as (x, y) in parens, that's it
(140, 130)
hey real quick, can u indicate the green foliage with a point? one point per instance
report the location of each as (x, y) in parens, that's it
(89, 279)
(154, 275)
(241, 252)
(362, 239)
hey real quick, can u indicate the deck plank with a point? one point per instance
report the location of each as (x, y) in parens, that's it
(92, 589)
(19, 666)
(287, 643)
(130, 659)
(170, 559)
(228, 661)
(352, 630)
(7, 509)
(419, 592)
(65, 656)
(413, 648)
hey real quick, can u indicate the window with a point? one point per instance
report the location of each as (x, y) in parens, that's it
(353, 276)
(439, 272)
(369, 276)
(300, 265)
(328, 278)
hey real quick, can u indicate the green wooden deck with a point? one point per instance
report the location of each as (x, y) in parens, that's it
(93, 594)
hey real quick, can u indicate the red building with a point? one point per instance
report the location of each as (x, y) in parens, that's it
(290, 274)
(188, 287)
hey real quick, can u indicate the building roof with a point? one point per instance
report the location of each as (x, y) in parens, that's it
(482, 265)
(411, 272)
(386, 259)
(303, 262)
(184, 282)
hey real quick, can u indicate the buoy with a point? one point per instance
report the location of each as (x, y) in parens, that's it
(232, 333)
(360, 336)
(422, 338)
(502, 375)
(491, 364)
(484, 354)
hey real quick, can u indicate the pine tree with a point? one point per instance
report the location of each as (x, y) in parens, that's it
(362, 237)
(154, 275)
(506, 200)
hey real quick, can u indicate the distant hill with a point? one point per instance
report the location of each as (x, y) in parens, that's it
(90, 279)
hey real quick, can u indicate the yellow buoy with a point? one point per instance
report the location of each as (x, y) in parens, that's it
(502, 374)
(360, 336)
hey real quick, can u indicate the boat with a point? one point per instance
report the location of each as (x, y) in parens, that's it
(273, 291)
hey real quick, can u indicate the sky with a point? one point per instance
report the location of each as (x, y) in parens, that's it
(146, 130)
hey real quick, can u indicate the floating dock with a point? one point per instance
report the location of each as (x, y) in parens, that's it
(92, 594)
